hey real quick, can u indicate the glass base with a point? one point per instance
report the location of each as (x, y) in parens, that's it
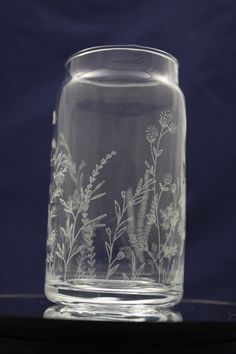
(115, 312)
(113, 292)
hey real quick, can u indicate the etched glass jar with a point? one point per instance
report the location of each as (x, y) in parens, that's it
(116, 222)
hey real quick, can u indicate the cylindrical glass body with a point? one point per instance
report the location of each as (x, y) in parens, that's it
(116, 222)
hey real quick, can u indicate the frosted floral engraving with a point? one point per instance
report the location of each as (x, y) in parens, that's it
(76, 235)
(147, 236)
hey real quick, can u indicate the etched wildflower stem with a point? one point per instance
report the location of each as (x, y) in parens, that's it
(117, 234)
(154, 138)
(129, 200)
(165, 244)
(155, 153)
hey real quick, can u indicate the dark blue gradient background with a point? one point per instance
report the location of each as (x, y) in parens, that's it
(36, 37)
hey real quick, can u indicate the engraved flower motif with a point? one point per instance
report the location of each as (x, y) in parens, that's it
(166, 118)
(151, 134)
(170, 217)
(170, 251)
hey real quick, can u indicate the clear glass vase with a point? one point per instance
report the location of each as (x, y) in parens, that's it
(116, 221)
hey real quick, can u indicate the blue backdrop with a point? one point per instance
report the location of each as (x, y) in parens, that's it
(36, 37)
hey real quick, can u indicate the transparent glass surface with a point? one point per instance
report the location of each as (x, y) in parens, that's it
(189, 310)
(116, 221)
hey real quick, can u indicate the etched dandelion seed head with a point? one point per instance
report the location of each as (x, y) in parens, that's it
(173, 128)
(151, 134)
(165, 118)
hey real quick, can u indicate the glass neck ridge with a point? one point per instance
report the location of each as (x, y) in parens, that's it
(127, 64)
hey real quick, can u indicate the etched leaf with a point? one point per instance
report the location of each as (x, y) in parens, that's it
(123, 194)
(97, 196)
(125, 276)
(94, 173)
(108, 231)
(159, 152)
(67, 207)
(59, 248)
(137, 200)
(120, 255)
(98, 218)
(114, 269)
(98, 225)
(107, 247)
(126, 220)
(91, 263)
(147, 164)
(64, 231)
(139, 185)
(59, 255)
(118, 211)
(148, 183)
(120, 233)
(99, 185)
(91, 180)
(140, 269)
(133, 259)
(77, 251)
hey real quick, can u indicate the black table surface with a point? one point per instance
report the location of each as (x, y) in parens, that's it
(29, 323)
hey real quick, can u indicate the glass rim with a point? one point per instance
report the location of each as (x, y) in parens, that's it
(130, 47)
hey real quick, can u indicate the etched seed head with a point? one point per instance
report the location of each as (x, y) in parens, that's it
(167, 179)
(170, 251)
(151, 134)
(165, 118)
(138, 242)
